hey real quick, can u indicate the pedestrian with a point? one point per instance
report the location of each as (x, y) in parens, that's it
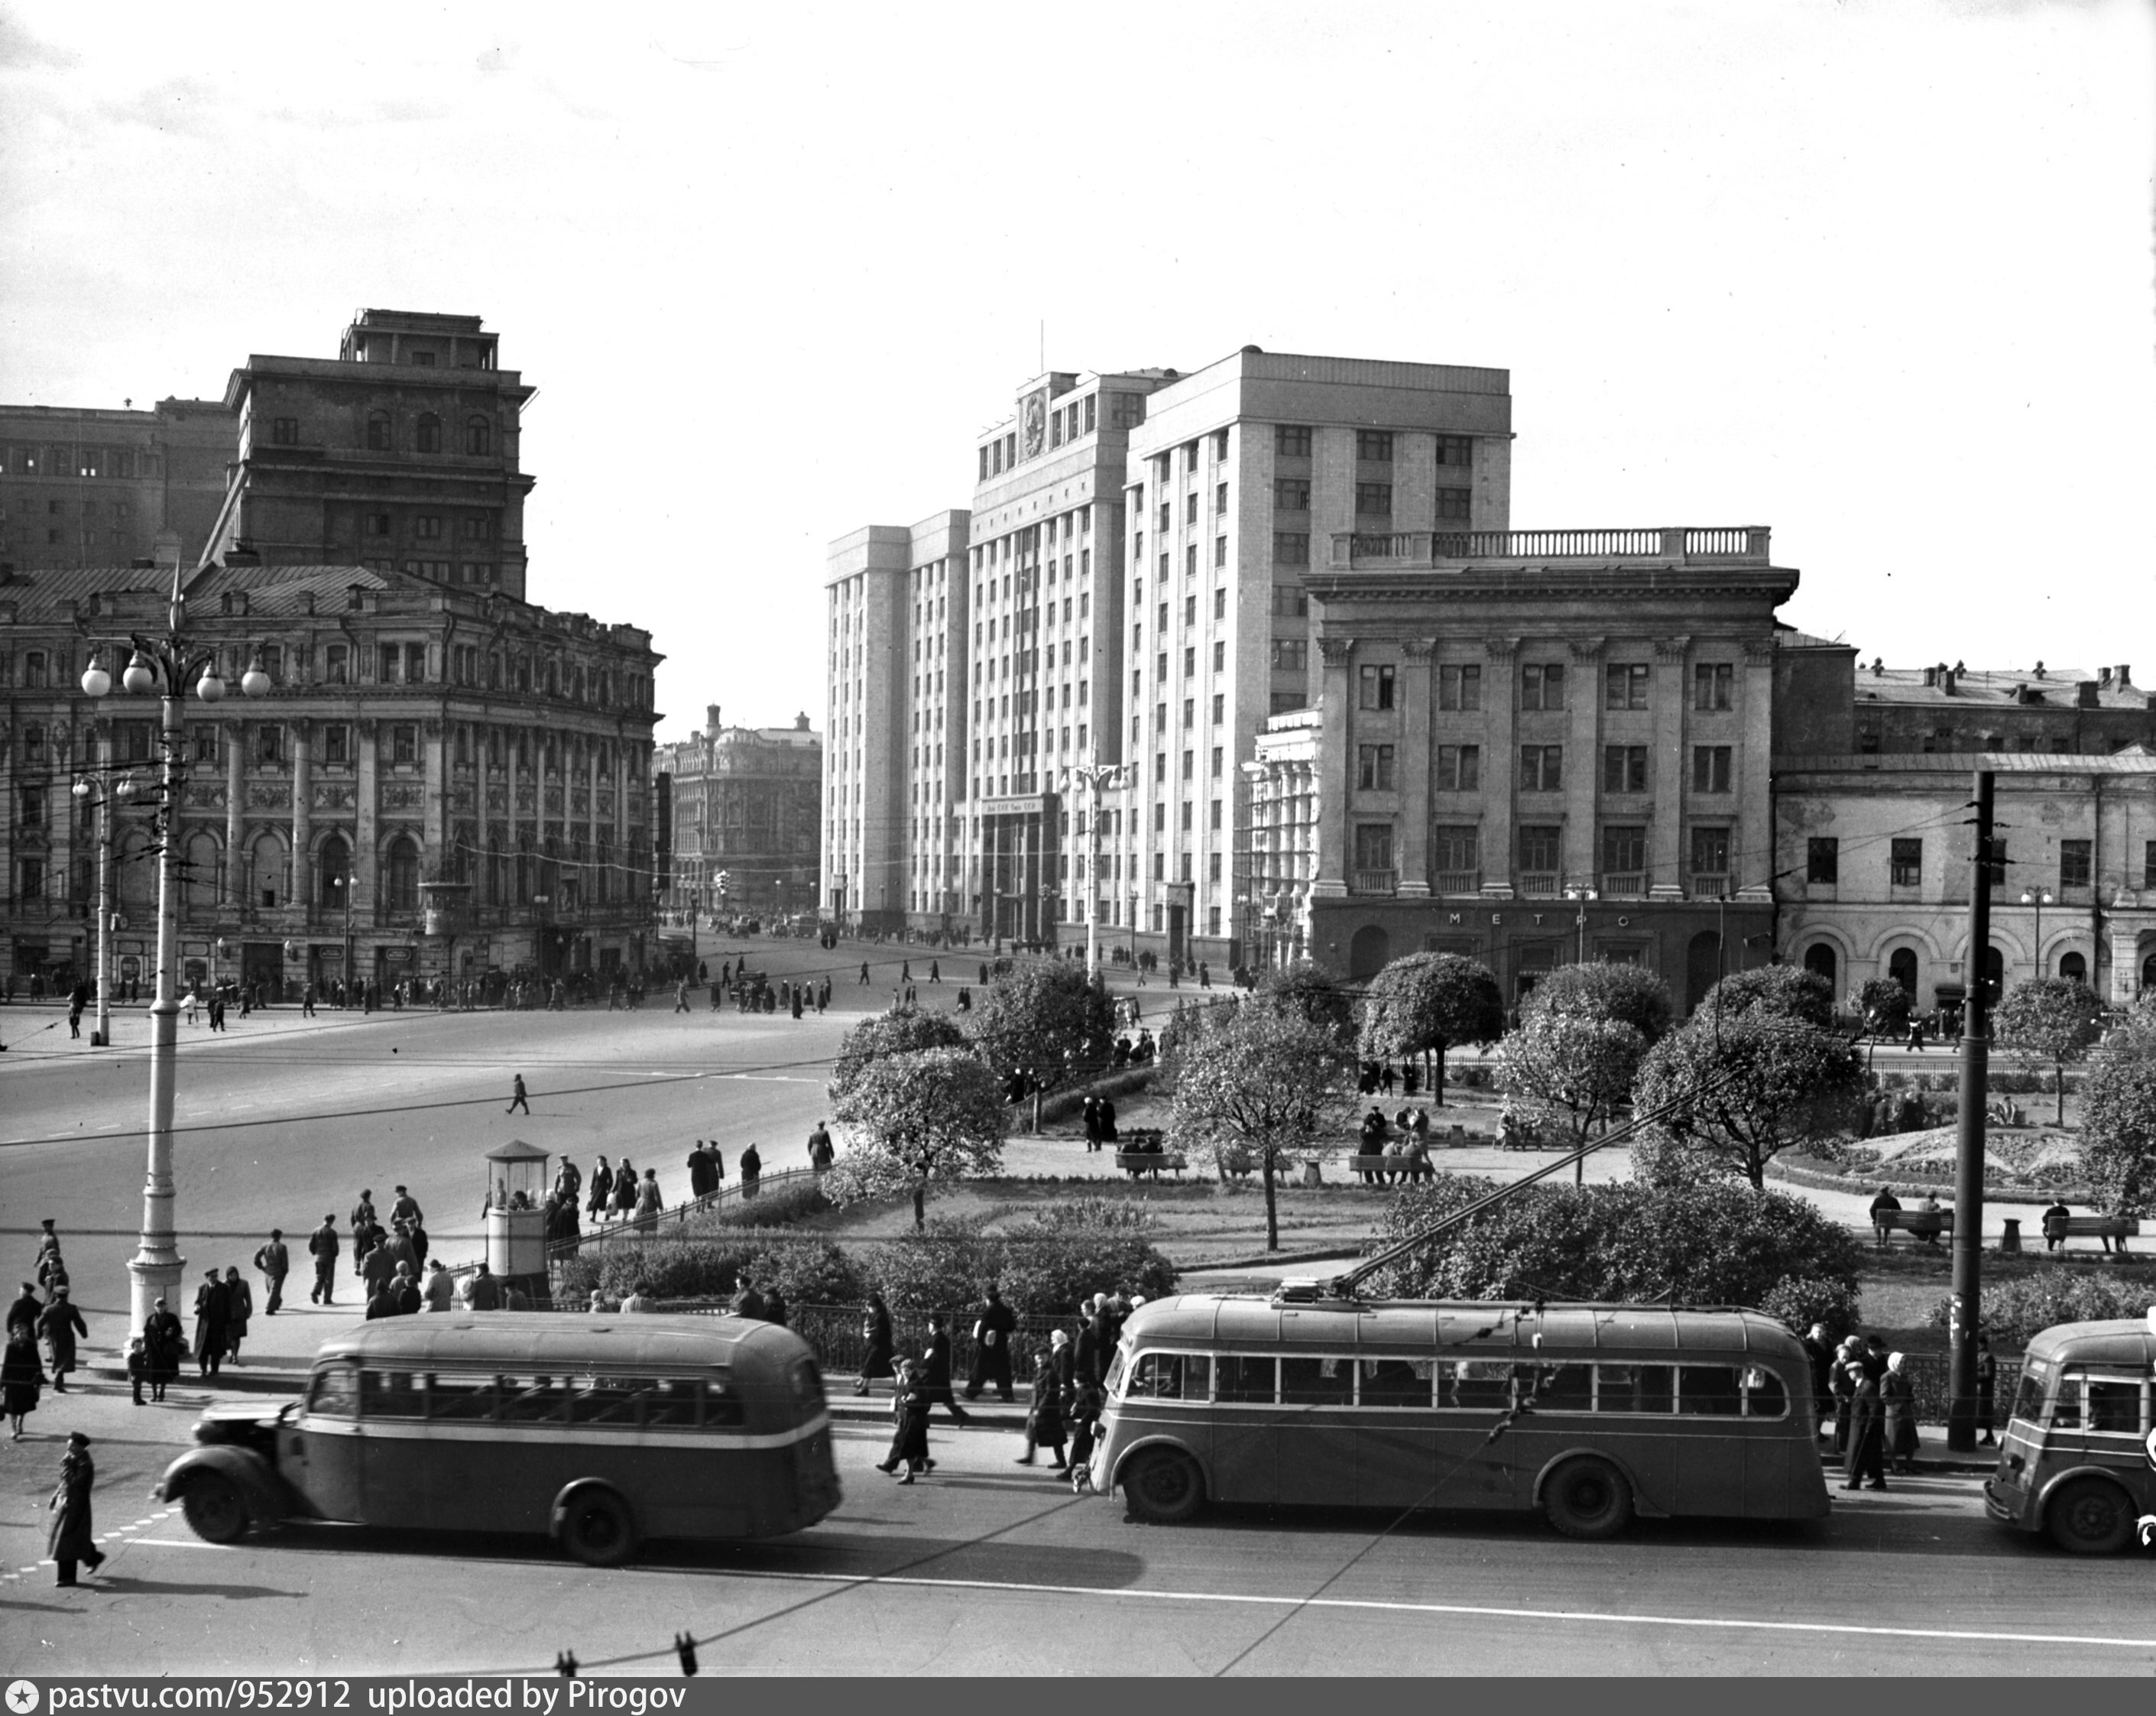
(482, 1291)
(73, 1535)
(747, 1301)
(819, 1148)
(1085, 1416)
(22, 1378)
(1987, 1386)
(1821, 1358)
(699, 1173)
(1044, 1419)
(275, 1262)
(752, 1169)
(624, 1189)
(876, 1343)
(935, 972)
(138, 1366)
(992, 1360)
(58, 1323)
(23, 1311)
(640, 1301)
(864, 973)
(165, 1341)
(376, 1270)
(601, 1196)
(239, 1307)
(212, 1314)
(649, 1201)
(1884, 1204)
(517, 1098)
(323, 1246)
(935, 1369)
(362, 1217)
(440, 1293)
(1899, 1396)
(775, 1307)
(405, 1212)
(52, 1272)
(909, 1414)
(1867, 1432)
(2055, 1221)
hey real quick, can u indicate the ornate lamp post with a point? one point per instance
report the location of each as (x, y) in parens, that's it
(99, 795)
(2039, 897)
(166, 666)
(1582, 896)
(1096, 777)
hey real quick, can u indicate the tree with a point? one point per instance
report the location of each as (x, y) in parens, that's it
(2048, 1021)
(1048, 1021)
(1789, 990)
(1743, 1089)
(1883, 1004)
(1313, 992)
(1427, 1002)
(917, 1120)
(2118, 1127)
(882, 1034)
(1570, 1070)
(1603, 989)
(1260, 1076)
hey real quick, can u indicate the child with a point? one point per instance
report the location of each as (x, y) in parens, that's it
(138, 1366)
(1084, 1413)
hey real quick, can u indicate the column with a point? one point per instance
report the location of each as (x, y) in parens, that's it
(365, 908)
(73, 749)
(303, 813)
(1753, 860)
(1499, 759)
(235, 806)
(1333, 705)
(1416, 705)
(482, 892)
(1665, 841)
(1583, 757)
(435, 806)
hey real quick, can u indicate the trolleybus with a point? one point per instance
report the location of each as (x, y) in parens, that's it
(2075, 1461)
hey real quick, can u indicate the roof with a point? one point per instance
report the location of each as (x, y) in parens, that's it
(2058, 687)
(2123, 1341)
(2133, 760)
(286, 589)
(560, 1341)
(516, 1150)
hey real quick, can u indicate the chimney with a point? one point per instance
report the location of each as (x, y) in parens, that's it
(1947, 678)
(1931, 675)
(711, 717)
(2125, 673)
(801, 723)
(2103, 678)
(2085, 694)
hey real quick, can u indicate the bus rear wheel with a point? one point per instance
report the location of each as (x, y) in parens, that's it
(215, 1509)
(1587, 1499)
(1163, 1487)
(597, 1528)
(2089, 1517)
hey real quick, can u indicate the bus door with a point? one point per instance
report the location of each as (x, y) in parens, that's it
(1396, 1432)
(1246, 1427)
(320, 1455)
(1473, 1394)
(1317, 1445)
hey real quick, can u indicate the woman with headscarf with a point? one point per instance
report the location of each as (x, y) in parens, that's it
(875, 1333)
(1043, 1421)
(1898, 1393)
(22, 1378)
(602, 1193)
(239, 1305)
(624, 1189)
(650, 1201)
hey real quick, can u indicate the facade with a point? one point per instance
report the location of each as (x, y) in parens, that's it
(400, 455)
(414, 735)
(1529, 748)
(88, 488)
(746, 801)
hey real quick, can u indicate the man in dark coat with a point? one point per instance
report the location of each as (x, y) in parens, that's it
(165, 1341)
(1868, 1431)
(213, 1310)
(700, 1184)
(1881, 1205)
(377, 1269)
(2054, 1221)
(73, 1537)
(751, 1167)
(26, 1307)
(276, 1263)
(323, 1246)
(485, 1290)
(58, 1323)
(819, 1148)
(747, 1301)
(992, 1338)
(406, 1210)
(936, 1369)
(1820, 1357)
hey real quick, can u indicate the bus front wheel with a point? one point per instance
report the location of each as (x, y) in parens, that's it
(215, 1509)
(1589, 1499)
(1163, 1487)
(597, 1528)
(2089, 1517)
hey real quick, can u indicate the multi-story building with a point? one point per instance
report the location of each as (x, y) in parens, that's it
(1529, 747)
(746, 801)
(89, 488)
(400, 454)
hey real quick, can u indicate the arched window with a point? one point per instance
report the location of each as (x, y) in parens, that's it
(403, 874)
(1368, 952)
(428, 436)
(334, 868)
(1819, 960)
(135, 875)
(1702, 967)
(1995, 972)
(493, 749)
(1902, 967)
(2074, 967)
(377, 431)
(464, 748)
(263, 883)
(479, 435)
(2148, 973)
(200, 875)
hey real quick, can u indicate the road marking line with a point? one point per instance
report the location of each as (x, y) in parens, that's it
(177, 1542)
(1478, 1609)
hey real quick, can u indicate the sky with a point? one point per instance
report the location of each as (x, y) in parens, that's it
(1878, 275)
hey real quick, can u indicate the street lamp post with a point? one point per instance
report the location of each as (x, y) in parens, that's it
(99, 795)
(2040, 897)
(1096, 777)
(1581, 895)
(166, 666)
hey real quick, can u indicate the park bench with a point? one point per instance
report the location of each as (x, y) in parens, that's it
(1926, 1225)
(2105, 1228)
(1134, 1161)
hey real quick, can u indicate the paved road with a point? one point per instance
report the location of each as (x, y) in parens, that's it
(985, 1567)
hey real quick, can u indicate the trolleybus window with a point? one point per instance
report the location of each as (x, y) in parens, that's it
(1479, 1385)
(1396, 1382)
(1317, 1382)
(1635, 1388)
(463, 1399)
(1765, 1396)
(2103, 1405)
(1560, 1388)
(1172, 1376)
(392, 1394)
(1244, 1377)
(336, 1393)
(1708, 1391)
(2029, 1399)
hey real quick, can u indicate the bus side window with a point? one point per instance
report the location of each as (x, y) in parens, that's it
(1317, 1382)
(1197, 1376)
(1245, 1378)
(1395, 1382)
(1480, 1385)
(1157, 1376)
(1764, 1396)
(1708, 1391)
(392, 1393)
(533, 1399)
(611, 1402)
(334, 1393)
(2029, 1399)
(671, 1402)
(2111, 1405)
(1562, 1388)
(462, 1399)
(722, 1407)
(1633, 1388)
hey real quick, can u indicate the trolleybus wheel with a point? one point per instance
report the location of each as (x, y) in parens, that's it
(215, 1507)
(1164, 1486)
(1587, 1499)
(597, 1528)
(2089, 1517)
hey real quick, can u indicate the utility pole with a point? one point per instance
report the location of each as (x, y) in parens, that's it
(1967, 1302)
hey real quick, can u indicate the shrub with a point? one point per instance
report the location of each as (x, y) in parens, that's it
(1044, 1267)
(947, 1266)
(2015, 1310)
(1798, 1302)
(781, 1207)
(1788, 990)
(807, 1271)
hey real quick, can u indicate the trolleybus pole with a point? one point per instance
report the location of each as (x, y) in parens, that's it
(1966, 1304)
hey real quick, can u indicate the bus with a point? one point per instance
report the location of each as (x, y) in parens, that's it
(2075, 1460)
(597, 1431)
(1589, 1414)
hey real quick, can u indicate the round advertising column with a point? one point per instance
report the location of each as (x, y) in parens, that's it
(515, 1218)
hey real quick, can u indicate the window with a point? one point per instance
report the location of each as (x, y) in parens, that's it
(1625, 686)
(269, 743)
(1220, 603)
(403, 744)
(1220, 655)
(1373, 500)
(1459, 768)
(1711, 683)
(403, 874)
(1823, 860)
(1291, 440)
(477, 529)
(1710, 768)
(2073, 864)
(1710, 851)
(427, 433)
(1374, 845)
(1624, 849)
(1376, 687)
(376, 524)
(1290, 655)
(377, 431)
(1291, 601)
(2148, 863)
(1454, 450)
(1538, 848)
(1291, 494)
(336, 744)
(206, 745)
(1220, 551)
(479, 435)
(1375, 445)
(1190, 510)
(1904, 863)
(337, 664)
(415, 663)
(1457, 849)
(284, 432)
(1542, 768)
(33, 671)
(1219, 707)
(1374, 768)
(1542, 686)
(1623, 769)
(1455, 505)
(1189, 711)
(1459, 687)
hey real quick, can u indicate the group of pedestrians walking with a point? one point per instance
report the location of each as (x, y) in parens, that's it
(42, 1313)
